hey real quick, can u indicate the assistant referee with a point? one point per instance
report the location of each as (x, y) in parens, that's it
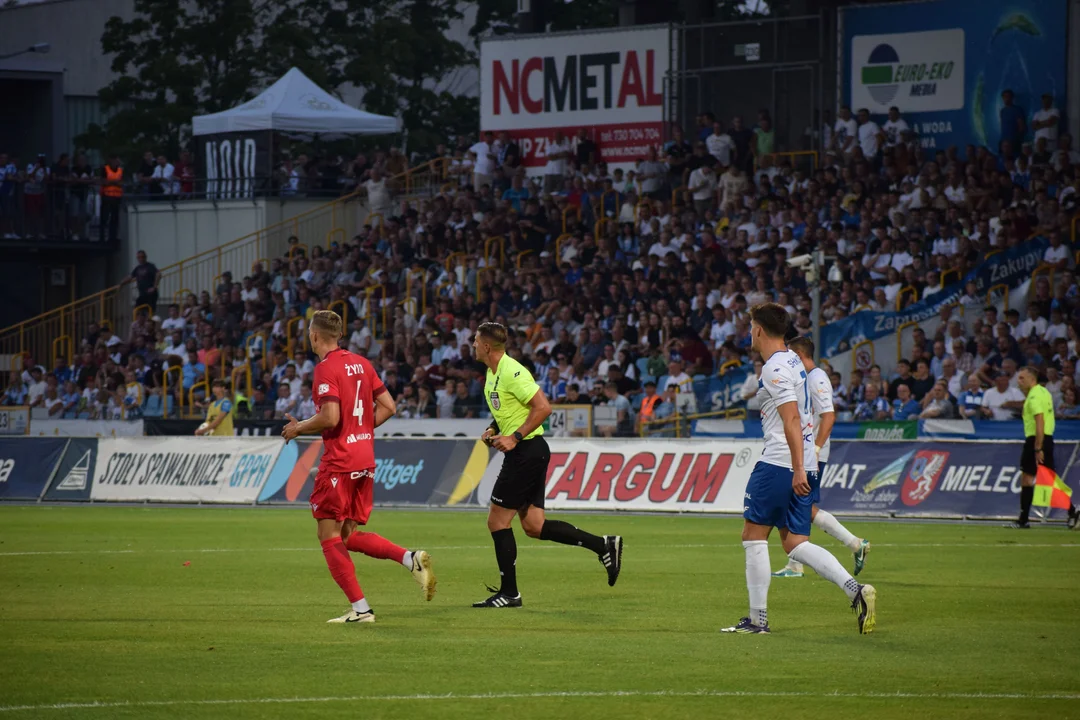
(1038, 450)
(519, 408)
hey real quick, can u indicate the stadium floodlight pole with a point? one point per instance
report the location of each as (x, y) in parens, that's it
(42, 47)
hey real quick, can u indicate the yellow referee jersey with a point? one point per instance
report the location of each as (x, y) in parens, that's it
(1038, 401)
(508, 391)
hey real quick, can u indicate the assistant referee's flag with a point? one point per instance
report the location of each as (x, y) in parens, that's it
(1050, 490)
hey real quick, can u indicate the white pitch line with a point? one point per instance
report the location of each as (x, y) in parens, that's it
(714, 546)
(545, 695)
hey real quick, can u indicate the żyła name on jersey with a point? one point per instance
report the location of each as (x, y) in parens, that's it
(783, 380)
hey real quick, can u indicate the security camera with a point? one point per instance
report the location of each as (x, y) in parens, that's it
(800, 261)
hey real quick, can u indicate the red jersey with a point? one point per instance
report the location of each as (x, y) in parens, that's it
(352, 382)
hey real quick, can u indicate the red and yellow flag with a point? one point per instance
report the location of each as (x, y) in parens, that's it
(1050, 490)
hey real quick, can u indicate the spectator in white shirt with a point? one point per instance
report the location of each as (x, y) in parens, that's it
(1002, 402)
(1033, 325)
(870, 136)
(946, 244)
(165, 176)
(1045, 120)
(720, 145)
(1057, 254)
(557, 152)
(955, 192)
(485, 160)
(703, 184)
(894, 128)
(845, 131)
(1057, 327)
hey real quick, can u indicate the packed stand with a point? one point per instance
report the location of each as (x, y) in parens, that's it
(629, 288)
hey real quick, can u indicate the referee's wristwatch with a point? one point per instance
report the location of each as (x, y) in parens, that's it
(518, 437)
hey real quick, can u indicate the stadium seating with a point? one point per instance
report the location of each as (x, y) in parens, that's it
(576, 271)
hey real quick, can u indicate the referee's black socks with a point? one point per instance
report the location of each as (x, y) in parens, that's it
(506, 557)
(1027, 494)
(565, 533)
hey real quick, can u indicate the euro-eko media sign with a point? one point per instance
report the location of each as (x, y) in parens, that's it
(919, 71)
(945, 63)
(609, 82)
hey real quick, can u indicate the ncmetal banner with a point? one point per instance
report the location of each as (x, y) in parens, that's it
(611, 83)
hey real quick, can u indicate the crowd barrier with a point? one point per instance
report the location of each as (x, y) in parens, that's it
(971, 479)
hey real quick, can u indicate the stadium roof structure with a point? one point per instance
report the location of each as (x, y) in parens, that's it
(295, 104)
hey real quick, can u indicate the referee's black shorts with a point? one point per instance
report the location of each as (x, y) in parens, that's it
(523, 476)
(1028, 465)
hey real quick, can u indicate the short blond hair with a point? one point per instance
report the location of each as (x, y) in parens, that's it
(493, 333)
(327, 322)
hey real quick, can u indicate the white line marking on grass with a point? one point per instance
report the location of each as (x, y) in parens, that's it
(546, 695)
(192, 551)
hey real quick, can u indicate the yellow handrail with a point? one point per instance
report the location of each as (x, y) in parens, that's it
(598, 229)
(191, 394)
(180, 295)
(368, 292)
(558, 247)
(676, 193)
(450, 258)
(502, 250)
(637, 209)
(294, 248)
(900, 295)
(334, 233)
(567, 209)
(265, 359)
(945, 273)
(521, 256)
(382, 222)
(165, 390)
(1004, 293)
(35, 334)
(290, 335)
(246, 369)
(344, 314)
(18, 361)
(1043, 269)
(729, 365)
(65, 341)
(137, 308)
(900, 338)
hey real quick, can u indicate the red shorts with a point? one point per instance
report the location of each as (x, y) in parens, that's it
(343, 495)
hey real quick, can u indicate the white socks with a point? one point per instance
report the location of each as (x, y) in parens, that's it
(757, 579)
(832, 526)
(361, 605)
(406, 559)
(823, 563)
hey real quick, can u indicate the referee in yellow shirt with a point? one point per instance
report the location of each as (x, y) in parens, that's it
(519, 408)
(1038, 450)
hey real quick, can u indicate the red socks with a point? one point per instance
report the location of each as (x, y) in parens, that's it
(341, 568)
(374, 546)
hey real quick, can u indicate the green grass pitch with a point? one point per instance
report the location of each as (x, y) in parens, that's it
(98, 605)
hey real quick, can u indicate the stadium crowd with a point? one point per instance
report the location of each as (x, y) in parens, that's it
(628, 288)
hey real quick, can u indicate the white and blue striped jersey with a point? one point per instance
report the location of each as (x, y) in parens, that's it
(783, 380)
(821, 403)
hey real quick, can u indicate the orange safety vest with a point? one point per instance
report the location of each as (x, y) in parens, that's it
(113, 190)
(648, 405)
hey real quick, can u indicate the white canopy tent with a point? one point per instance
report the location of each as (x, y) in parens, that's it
(295, 104)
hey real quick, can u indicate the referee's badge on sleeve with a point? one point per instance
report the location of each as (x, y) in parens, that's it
(495, 401)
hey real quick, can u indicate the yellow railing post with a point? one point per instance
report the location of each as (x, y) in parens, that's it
(333, 233)
(180, 295)
(567, 209)
(521, 256)
(1004, 293)
(368, 292)
(135, 311)
(191, 394)
(502, 250)
(900, 338)
(290, 335)
(165, 390)
(900, 295)
(344, 311)
(367, 221)
(558, 248)
(297, 246)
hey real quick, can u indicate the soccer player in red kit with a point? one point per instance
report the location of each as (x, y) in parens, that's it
(351, 401)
